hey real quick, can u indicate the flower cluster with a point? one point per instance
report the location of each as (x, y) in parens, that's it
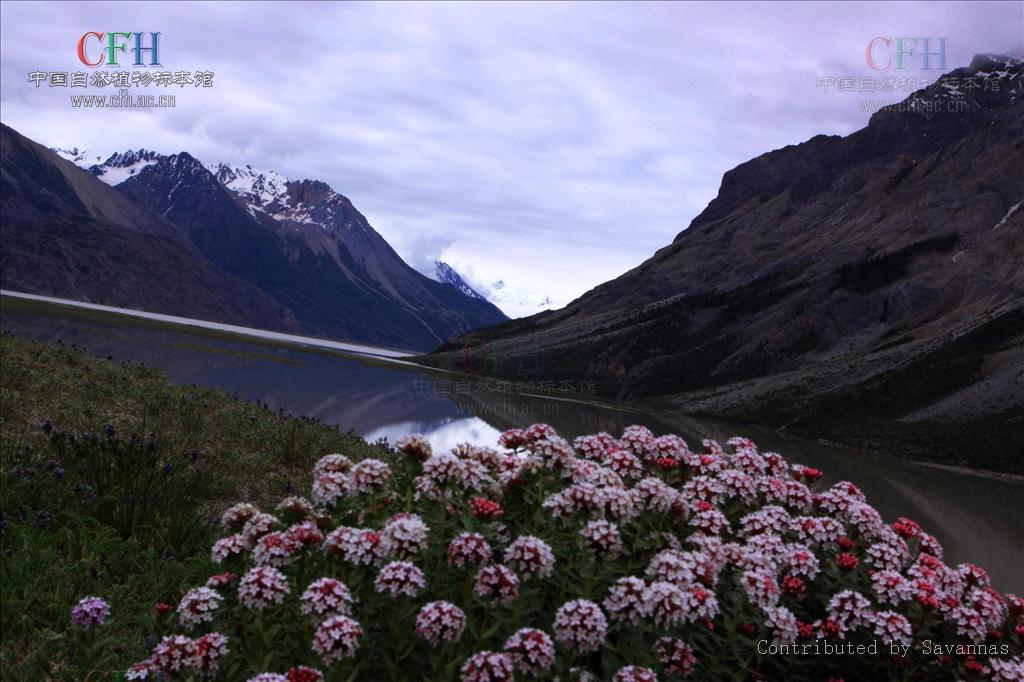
(400, 578)
(90, 612)
(612, 558)
(198, 605)
(337, 638)
(327, 597)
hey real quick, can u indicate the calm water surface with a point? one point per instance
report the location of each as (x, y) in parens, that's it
(977, 519)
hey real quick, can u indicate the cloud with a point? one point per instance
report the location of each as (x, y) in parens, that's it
(563, 142)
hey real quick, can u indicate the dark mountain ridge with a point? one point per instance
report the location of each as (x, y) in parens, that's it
(824, 274)
(65, 233)
(291, 255)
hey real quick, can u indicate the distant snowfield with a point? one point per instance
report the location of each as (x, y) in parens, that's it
(234, 329)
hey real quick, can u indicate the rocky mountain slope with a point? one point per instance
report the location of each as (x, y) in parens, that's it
(300, 244)
(65, 233)
(871, 283)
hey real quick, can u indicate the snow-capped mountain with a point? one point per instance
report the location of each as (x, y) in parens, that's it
(79, 157)
(122, 165)
(302, 243)
(517, 301)
(262, 190)
(512, 300)
(447, 274)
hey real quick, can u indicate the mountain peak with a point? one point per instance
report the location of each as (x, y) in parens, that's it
(263, 190)
(446, 274)
(75, 155)
(120, 166)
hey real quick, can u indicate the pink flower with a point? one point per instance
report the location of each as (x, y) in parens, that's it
(440, 621)
(580, 625)
(171, 654)
(846, 562)
(848, 608)
(891, 626)
(639, 440)
(676, 656)
(537, 431)
(531, 650)
(468, 548)
(602, 538)
(226, 548)
(334, 463)
(90, 612)
(328, 486)
(762, 587)
(674, 566)
(488, 666)
(327, 597)
(263, 586)
(624, 463)
(400, 578)
(336, 639)
(626, 600)
(496, 584)
(368, 476)
(307, 534)
(415, 446)
(634, 673)
(198, 605)
(296, 507)
(484, 508)
(891, 587)
(258, 526)
(304, 673)
(531, 556)
(783, 625)
(236, 516)
(275, 549)
(358, 546)
(513, 439)
(205, 653)
(667, 603)
(404, 536)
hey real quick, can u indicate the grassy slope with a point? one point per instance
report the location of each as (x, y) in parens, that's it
(243, 453)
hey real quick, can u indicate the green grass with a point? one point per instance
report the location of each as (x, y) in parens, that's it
(104, 515)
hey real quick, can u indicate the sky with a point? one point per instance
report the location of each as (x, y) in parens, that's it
(553, 146)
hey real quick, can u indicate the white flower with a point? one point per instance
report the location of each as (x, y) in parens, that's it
(403, 536)
(626, 600)
(367, 476)
(263, 586)
(531, 556)
(531, 650)
(337, 638)
(580, 625)
(440, 621)
(225, 548)
(198, 605)
(327, 597)
(236, 516)
(602, 537)
(400, 578)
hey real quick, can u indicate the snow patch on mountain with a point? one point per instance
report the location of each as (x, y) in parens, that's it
(446, 274)
(117, 168)
(517, 301)
(263, 190)
(79, 157)
(514, 301)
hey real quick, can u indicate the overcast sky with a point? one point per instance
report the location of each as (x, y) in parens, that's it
(554, 146)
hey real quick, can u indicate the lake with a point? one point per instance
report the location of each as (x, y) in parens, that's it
(377, 394)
